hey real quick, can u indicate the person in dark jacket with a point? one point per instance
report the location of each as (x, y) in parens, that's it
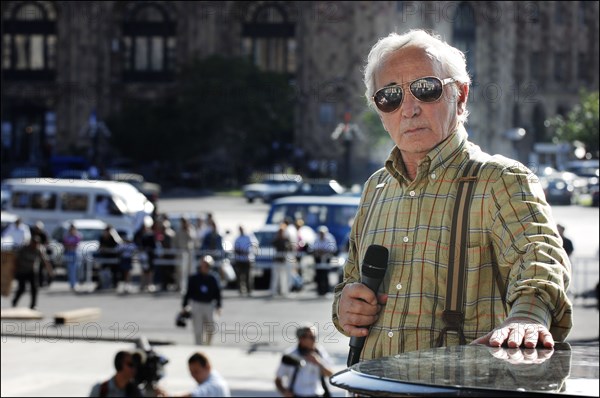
(204, 296)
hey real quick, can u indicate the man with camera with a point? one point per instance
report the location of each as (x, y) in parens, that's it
(122, 384)
(303, 369)
(204, 294)
(133, 370)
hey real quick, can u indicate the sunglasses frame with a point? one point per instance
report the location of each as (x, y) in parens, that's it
(443, 82)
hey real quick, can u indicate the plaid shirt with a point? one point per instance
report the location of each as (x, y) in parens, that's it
(511, 229)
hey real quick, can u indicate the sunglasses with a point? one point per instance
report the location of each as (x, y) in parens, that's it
(424, 89)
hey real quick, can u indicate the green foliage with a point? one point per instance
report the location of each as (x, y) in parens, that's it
(223, 106)
(580, 124)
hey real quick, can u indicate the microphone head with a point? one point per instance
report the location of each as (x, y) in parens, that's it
(375, 262)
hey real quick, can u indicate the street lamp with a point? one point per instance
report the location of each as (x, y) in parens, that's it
(348, 132)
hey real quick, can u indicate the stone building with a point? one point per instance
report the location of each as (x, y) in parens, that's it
(67, 66)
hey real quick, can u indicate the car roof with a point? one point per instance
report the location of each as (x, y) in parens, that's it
(319, 200)
(268, 228)
(87, 223)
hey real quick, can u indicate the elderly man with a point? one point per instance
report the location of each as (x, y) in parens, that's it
(513, 285)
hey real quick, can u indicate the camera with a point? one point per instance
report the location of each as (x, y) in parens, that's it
(181, 318)
(149, 365)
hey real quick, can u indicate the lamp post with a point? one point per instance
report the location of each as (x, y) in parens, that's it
(348, 132)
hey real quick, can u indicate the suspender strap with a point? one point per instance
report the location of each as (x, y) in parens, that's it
(453, 316)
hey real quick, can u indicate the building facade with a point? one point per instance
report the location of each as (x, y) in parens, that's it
(68, 66)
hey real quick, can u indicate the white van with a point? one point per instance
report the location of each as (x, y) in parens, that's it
(54, 201)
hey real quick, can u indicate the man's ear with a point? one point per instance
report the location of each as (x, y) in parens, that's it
(461, 100)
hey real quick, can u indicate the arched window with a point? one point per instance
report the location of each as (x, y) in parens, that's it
(464, 35)
(29, 41)
(149, 43)
(269, 39)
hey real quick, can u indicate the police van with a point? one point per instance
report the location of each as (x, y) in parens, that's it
(54, 201)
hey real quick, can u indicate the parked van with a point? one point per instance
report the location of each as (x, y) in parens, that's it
(335, 212)
(54, 201)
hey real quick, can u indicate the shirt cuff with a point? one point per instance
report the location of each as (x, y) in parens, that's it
(532, 308)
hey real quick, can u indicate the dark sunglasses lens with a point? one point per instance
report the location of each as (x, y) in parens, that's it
(428, 89)
(388, 99)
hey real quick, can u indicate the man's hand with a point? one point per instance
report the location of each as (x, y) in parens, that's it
(358, 308)
(517, 332)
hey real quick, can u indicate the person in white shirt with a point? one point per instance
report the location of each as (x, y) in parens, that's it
(18, 232)
(324, 248)
(303, 369)
(210, 382)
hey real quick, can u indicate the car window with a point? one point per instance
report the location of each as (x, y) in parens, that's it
(43, 201)
(74, 202)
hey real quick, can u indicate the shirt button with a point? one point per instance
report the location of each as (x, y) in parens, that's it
(390, 334)
(412, 193)
(433, 176)
(405, 239)
(399, 286)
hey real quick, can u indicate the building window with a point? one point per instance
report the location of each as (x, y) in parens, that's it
(149, 44)
(269, 39)
(464, 35)
(560, 66)
(29, 41)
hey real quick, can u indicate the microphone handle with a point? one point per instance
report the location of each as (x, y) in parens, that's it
(357, 343)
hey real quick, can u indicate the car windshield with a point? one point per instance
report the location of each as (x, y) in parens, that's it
(265, 238)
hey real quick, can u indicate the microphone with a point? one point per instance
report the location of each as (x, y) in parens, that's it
(373, 270)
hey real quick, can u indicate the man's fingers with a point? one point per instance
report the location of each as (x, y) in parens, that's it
(546, 338)
(360, 292)
(498, 337)
(355, 331)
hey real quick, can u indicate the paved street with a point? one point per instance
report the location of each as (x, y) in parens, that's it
(249, 335)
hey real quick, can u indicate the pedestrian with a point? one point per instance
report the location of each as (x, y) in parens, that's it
(244, 249)
(38, 230)
(567, 243)
(324, 248)
(17, 233)
(109, 254)
(172, 270)
(185, 238)
(122, 383)
(204, 296)
(126, 250)
(303, 368)
(281, 268)
(210, 382)
(27, 267)
(514, 282)
(212, 244)
(71, 240)
(145, 241)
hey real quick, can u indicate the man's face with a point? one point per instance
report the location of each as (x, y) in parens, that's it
(417, 127)
(128, 367)
(198, 372)
(307, 340)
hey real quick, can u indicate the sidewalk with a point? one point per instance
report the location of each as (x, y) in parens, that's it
(44, 368)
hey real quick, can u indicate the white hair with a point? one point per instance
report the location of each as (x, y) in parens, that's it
(449, 61)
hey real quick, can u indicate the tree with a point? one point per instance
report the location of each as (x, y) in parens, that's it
(580, 124)
(225, 114)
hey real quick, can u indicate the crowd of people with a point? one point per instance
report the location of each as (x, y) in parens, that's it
(168, 257)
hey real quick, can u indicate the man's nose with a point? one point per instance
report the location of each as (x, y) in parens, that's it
(410, 106)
